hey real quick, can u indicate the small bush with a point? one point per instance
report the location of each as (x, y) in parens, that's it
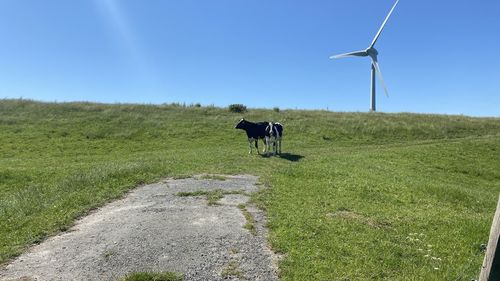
(276, 109)
(237, 108)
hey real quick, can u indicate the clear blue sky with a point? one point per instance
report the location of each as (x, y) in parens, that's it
(436, 56)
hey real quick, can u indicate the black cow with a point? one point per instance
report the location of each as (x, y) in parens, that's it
(255, 131)
(274, 133)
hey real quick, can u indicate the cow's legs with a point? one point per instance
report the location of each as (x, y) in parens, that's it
(276, 142)
(250, 145)
(270, 144)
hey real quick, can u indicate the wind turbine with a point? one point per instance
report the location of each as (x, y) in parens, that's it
(372, 53)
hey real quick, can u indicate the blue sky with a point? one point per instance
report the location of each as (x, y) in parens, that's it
(436, 56)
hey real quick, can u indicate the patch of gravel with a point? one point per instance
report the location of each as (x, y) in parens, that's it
(152, 229)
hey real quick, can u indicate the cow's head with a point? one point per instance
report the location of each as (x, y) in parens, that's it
(241, 124)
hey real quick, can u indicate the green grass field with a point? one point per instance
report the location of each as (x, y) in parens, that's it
(356, 196)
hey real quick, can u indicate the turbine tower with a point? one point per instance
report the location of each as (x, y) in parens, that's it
(372, 53)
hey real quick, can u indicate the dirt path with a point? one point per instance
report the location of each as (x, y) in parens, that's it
(153, 229)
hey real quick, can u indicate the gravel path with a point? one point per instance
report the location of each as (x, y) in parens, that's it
(153, 229)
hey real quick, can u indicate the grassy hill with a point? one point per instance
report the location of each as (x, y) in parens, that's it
(356, 196)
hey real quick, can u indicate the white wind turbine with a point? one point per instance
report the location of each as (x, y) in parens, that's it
(372, 53)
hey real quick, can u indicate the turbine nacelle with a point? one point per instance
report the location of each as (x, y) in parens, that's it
(372, 52)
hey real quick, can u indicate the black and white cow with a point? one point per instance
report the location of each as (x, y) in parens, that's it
(274, 133)
(255, 131)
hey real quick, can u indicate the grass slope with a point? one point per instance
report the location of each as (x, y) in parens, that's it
(356, 196)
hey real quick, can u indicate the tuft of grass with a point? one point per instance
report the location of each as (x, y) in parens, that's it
(192, 193)
(153, 276)
(109, 253)
(213, 177)
(250, 225)
(213, 196)
(232, 270)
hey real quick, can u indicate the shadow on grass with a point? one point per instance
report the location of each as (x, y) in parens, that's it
(287, 156)
(291, 157)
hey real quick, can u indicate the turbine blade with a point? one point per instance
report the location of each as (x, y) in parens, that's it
(379, 74)
(357, 54)
(383, 25)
